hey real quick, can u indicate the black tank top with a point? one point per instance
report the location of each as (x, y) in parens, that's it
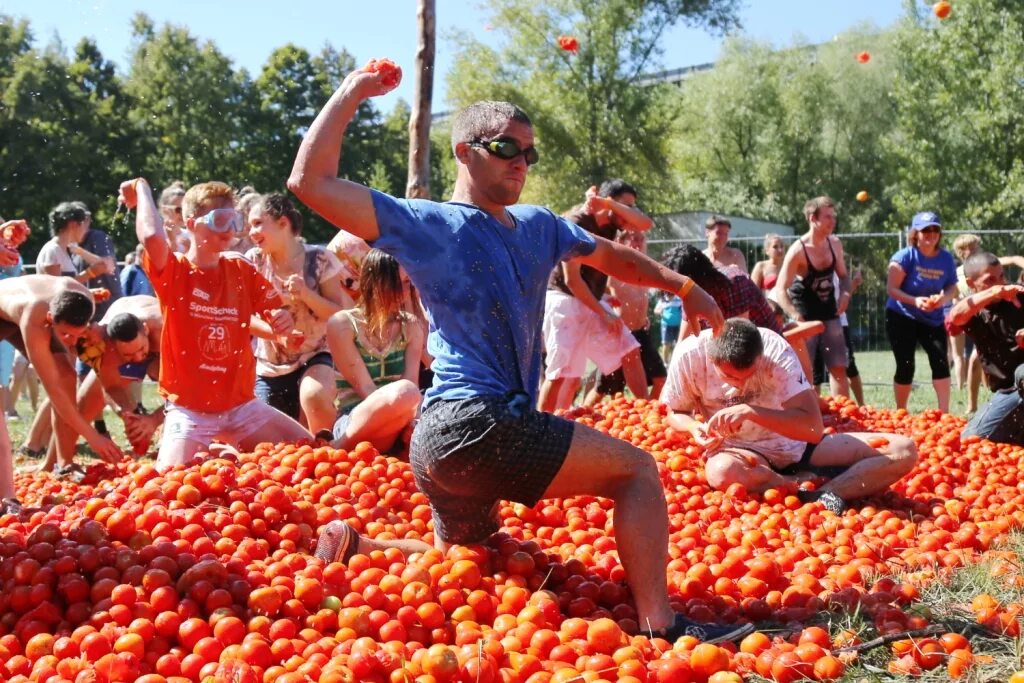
(814, 295)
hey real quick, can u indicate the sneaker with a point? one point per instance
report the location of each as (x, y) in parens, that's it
(706, 633)
(829, 500)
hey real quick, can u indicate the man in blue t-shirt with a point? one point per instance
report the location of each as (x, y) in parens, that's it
(481, 264)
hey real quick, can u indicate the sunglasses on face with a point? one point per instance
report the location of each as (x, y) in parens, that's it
(931, 230)
(507, 149)
(222, 220)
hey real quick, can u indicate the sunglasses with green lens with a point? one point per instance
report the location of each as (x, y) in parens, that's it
(507, 149)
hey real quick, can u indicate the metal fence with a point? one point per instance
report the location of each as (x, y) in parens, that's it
(870, 252)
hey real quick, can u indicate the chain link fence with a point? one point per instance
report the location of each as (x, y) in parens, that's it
(870, 252)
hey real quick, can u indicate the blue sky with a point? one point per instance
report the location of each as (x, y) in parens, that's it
(247, 32)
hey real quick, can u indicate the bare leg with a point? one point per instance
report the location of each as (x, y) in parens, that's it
(549, 390)
(956, 350)
(797, 336)
(600, 465)
(64, 435)
(6, 461)
(39, 434)
(567, 395)
(857, 387)
(593, 397)
(942, 393)
(902, 394)
(657, 384)
(633, 370)
(90, 400)
(382, 416)
(729, 467)
(839, 381)
(316, 395)
(871, 470)
(973, 382)
(32, 380)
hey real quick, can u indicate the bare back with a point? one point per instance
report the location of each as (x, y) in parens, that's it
(25, 300)
(145, 308)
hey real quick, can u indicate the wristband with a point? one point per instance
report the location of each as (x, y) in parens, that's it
(685, 289)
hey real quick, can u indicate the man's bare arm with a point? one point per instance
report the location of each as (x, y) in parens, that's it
(314, 178)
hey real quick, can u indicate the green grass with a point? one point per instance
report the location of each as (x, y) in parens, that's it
(876, 369)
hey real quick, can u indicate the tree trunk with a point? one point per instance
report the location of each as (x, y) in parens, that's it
(418, 184)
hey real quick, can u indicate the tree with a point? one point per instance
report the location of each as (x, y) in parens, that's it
(188, 104)
(418, 184)
(592, 119)
(959, 147)
(765, 130)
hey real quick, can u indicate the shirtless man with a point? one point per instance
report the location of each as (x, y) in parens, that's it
(805, 289)
(44, 316)
(721, 254)
(121, 350)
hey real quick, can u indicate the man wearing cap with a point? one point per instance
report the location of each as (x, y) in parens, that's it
(207, 299)
(721, 254)
(921, 280)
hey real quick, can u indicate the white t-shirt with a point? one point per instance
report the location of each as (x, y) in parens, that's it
(52, 254)
(694, 385)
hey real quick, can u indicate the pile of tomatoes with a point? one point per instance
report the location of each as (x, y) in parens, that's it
(205, 573)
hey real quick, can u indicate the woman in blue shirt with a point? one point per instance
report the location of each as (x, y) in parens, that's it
(922, 280)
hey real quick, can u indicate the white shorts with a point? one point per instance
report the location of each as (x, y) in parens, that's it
(231, 427)
(573, 333)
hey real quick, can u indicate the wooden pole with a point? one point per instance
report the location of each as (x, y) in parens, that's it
(418, 185)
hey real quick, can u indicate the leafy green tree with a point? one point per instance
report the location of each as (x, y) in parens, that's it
(959, 146)
(592, 119)
(189, 104)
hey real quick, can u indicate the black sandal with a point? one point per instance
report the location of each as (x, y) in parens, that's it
(73, 472)
(706, 633)
(10, 506)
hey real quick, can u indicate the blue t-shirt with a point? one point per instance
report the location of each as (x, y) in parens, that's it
(925, 276)
(483, 287)
(672, 313)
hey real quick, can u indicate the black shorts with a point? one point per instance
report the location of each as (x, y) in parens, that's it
(649, 356)
(282, 392)
(804, 465)
(469, 454)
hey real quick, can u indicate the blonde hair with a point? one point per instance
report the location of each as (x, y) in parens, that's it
(204, 196)
(380, 291)
(172, 192)
(967, 242)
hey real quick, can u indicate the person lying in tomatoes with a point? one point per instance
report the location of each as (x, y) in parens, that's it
(762, 423)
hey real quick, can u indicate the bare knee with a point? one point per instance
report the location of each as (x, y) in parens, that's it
(724, 469)
(902, 454)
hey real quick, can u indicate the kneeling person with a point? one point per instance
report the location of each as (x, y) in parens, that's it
(763, 424)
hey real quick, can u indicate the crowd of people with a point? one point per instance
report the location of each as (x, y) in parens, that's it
(426, 329)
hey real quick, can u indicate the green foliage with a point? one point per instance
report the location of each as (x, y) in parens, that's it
(591, 120)
(960, 99)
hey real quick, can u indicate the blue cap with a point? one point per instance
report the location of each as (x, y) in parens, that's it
(923, 220)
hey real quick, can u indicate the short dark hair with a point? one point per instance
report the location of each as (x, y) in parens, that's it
(72, 308)
(739, 344)
(65, 213)
(279, 206)
(124, 327)
(978, 263)
(579, 215)
(484, 119)
(616, 187)
(690, 261)
(715, 219)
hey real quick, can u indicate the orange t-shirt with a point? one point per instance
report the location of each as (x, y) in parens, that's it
(206, 358)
